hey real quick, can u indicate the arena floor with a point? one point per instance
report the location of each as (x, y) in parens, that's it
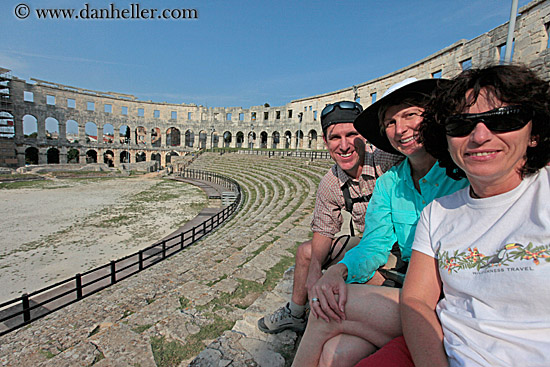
(54, 229)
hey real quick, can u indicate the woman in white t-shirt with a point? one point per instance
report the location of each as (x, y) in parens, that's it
(477, 290)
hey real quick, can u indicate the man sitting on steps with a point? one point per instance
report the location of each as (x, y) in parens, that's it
(347, 186)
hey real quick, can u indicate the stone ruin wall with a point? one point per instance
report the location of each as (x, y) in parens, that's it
(200, 127)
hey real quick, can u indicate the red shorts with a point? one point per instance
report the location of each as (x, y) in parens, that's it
(393, 354)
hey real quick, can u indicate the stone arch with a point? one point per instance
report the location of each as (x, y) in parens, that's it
(202, 139)
(71, 131)
(276, 139)
(109, 158)
(52, 156)
(30, 127)
(91, 156)
(156, 157)
(52, 129)
(170, 155)
(141, 134)
(299, 139)
(263, 139)
(215, 139)
(108, 134)
(227, 139)
(91, 132)
(251, 138)
(288, 139)
(189, 139)
(173, 137)
(156, 138)
(73, 156)
(124, 156)
(240, 139)
(124, 134)
(141, 157)
(31, 155)
(312, 139)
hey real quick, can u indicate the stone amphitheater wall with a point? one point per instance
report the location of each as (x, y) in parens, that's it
(200, 127)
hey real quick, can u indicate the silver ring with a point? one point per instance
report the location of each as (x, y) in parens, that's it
(315, 299)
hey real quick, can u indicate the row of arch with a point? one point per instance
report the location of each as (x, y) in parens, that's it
(172, 137)
(53, 156)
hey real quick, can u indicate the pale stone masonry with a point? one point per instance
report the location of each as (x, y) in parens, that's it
(160, 130)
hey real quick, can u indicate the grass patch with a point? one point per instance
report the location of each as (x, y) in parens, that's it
(98, 357)
(126, 314)
(47, 353)
(116, 221)
(210, 284)
(261, 248)
(16, 176)
(184, 303)
(140, 329)
(39, 184)
(247, 291)
(167, 353)
(171, 353)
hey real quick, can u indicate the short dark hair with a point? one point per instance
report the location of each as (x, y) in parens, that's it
(511, 84)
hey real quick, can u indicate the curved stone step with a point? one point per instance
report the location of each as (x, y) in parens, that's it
(189, 299)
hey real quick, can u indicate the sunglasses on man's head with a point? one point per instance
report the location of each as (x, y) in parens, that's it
(499, 120)
(344, 105)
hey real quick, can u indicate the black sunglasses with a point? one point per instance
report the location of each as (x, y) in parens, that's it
(344, 105)
(503, 119)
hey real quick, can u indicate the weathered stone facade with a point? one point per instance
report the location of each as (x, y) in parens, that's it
(159, 130)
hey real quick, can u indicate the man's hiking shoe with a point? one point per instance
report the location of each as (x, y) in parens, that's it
(281, 320)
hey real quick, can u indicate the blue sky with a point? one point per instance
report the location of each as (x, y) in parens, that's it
(238, 53)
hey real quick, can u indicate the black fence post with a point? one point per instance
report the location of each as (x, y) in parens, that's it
(193, 234)
(78, 279)
(113, 272)
(164, 249)
(181, 240)
(26, 307)
(140, 260)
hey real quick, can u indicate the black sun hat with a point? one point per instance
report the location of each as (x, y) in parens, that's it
(367, 123)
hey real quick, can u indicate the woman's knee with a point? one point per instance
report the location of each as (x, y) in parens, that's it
(331, 354)
(345, 350)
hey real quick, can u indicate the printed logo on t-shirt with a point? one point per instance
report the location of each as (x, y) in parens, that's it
(505, 257)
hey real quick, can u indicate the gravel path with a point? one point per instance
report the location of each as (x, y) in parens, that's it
(54, 229)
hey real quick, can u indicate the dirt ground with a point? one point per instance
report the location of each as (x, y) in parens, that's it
(53, 229)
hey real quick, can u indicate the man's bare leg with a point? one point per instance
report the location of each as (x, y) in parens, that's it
(303, 259)
(292, 315)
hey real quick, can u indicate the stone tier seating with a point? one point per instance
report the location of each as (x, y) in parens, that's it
(206, 298)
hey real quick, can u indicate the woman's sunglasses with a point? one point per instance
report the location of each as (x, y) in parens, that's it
(344, 105)
(503, 119)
